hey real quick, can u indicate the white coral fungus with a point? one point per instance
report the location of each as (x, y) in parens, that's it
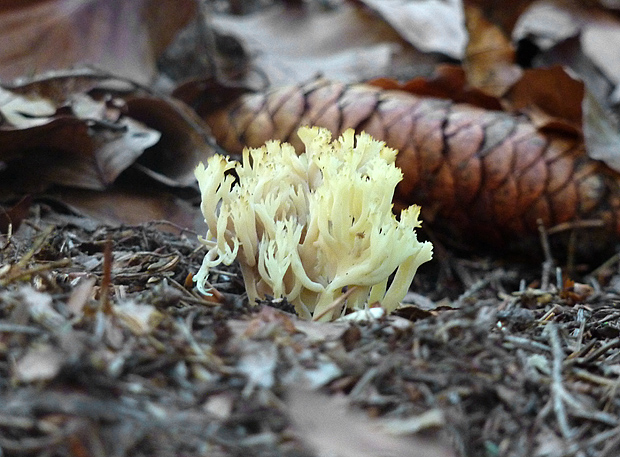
(309, 227)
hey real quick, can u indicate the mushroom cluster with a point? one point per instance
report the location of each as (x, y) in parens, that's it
(313, 226)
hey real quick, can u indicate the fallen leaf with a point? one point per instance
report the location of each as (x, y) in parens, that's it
(549, 22)
(184, 139)
(332, 429)
(121, 37)
(41, 310)
(429, 25)
(347, 43)
(79, 142)
(132, 205)
(601, 41)
(601, 136)
(39, 364)
(550, 97)
(139, 318)
(82, 130)
(13, 216)
(490, 56)
(449, 82)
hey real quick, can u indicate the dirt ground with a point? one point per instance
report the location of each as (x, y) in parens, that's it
(107, 350)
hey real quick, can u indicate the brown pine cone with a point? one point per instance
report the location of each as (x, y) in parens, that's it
(478, 175)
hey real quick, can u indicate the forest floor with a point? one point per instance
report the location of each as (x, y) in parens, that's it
(106, 349)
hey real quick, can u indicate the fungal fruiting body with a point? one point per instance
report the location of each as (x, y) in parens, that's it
(310, 226)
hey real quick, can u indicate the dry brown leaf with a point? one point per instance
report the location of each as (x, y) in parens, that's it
(490, 57)
(550, 97)
(449, 82)
(332, 429)
(11, 218)
(119, 36)
(81, 129)
(601, 137)
(549, 22)
(505, 16)
(293, 44)
(135, 205)
(83, 142)
(184, 140)
(429, 25)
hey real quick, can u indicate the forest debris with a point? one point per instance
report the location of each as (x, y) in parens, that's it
(484, 370)
(429, 25)
(140, 318)
(135, 146)
(348, 43)
(39, 364)
(331, 429)
(124, 38)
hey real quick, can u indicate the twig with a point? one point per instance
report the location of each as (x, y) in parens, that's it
(6, 327)
(592, 356)
(106, 280)
(557, 389)
(42, 238)
(9, 235)
(582, 327)
(606, 265)
(336, 303)
(19, 273)
(549, 262)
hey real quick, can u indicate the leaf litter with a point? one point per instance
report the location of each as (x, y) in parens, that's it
(150, 366)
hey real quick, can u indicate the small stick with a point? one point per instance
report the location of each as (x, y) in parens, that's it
(106, 280)
(336, 303)
(557, 389)
(549, 262)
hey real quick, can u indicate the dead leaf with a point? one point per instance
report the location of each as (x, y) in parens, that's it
(601, 41)
(601, 136)
(429, 25)
(80, 295)
(449, 82)
(41, 309)
(80, 142)
(139, 318)
(549, 22)
(39, 364)
(13, 216)
(332, 429)
(82, 130)
(347, 43)
(131, 205)
(184, 139)
(490, 56)
(506, 16)
(121, 37)
(550, 97)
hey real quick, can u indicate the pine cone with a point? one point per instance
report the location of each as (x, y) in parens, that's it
(478, 175)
